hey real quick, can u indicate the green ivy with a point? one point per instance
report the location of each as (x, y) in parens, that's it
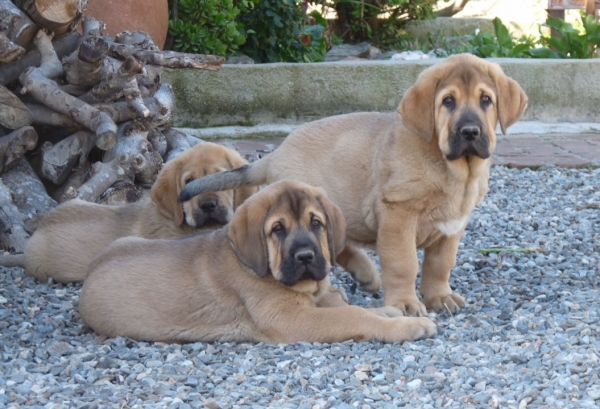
(207, 27)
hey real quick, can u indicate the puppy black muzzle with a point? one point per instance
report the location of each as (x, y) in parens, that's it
(210, 212)
(468, 137)
(303, 262)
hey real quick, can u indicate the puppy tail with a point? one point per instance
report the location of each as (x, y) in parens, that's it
(254, 174)
(12, 260)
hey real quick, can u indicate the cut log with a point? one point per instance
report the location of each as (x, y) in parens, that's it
(42, 115)
(9, 51)
(177, 142)
(139, 39)
(29, 194)
(50, 65)
(15, 24)
(57, 161)
(104, 175)
(84, 67)
(58, 16)
(14, 145)
(133, 142)
(171, 59)
(13, 235)
(121, 84)
(76, 178)
(47, 92)
(158, 142)
(13, 113)
(120, 111)
(121, 193)
(62, 45)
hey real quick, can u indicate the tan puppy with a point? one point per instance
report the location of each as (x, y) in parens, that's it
(71, 235)
(402, 181)
(264, 277)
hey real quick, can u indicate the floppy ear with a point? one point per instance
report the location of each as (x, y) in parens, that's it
(247, 237)
(165, 192)
(512, 100)
(417, 107)
(336, 227)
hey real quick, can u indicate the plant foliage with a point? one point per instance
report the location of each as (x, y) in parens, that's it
(569, 42)
(277, 31)
(208, 27)
(500, 43)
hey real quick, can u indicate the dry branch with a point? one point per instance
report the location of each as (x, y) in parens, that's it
(13, 114)
(13, 235)
(62, 45)
(171, 59)
(47, 92)
(43, 115)
(15, 24)
(54, 15)
(158, 142)
(9, 51)
(177, 142)
(14, 145)
(29, 194)
(76, 178)
(57, 161)
(121, 193)
(50, 65)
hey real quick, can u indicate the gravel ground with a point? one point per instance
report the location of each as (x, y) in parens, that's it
(529, 336)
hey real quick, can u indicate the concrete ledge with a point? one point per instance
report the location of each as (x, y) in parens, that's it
(558, 90)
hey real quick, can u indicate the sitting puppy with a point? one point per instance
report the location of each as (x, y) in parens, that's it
(72, 234)
(264, 278)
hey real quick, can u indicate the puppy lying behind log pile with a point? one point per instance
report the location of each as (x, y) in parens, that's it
(71, 235)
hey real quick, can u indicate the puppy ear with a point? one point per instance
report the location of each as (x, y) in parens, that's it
(336, 227)
(165, 192)
(417, 106)
(512, 100)
(247, 237)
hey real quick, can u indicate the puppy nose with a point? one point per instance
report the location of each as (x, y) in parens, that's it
(470, 132)
(208, 206)
(305, 256)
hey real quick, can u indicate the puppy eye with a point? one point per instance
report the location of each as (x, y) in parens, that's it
(188, 180)
(485, 101)
(316, 223)
(277, 228)
(449, 102)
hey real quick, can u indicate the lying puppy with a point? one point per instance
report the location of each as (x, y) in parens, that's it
(402, 181)
(264, 278)
(72, 234)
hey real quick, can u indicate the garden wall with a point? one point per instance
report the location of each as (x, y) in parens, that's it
(558, 90)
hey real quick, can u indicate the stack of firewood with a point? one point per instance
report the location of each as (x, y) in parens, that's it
(82, 115)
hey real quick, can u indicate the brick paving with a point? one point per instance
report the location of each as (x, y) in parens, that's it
(518, 151)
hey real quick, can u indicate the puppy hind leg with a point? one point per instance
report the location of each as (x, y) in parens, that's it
(355, 261)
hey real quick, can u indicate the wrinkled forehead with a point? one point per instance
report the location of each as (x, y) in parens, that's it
(294, 205)
(467, 80)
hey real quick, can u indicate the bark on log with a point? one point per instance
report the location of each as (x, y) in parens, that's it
(139, 39)
(121, 193)
(13, 113)
(57, 161)
(47, 92)
(120, 111)
(84, 67)
(13, 235)
(43, 115)
(29, 194)
(63, 45)
(54, 15)
(171, 59)
(9, 51)
(15, 24)
(14, 145)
